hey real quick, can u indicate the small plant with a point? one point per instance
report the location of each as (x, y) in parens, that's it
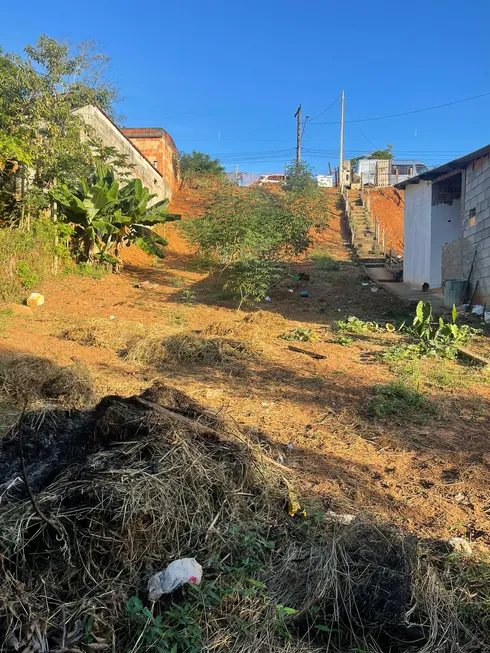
(398, 399)
(26, 274)
(177, 281)
(354, 325)
(251, 279)
(345, 341)
(301, 334)
(188, 296)
(324, 261)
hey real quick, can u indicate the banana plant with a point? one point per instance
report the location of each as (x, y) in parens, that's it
(106, 215)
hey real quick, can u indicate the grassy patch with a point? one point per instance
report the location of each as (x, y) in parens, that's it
(324, 261)
(26, 258)
(87, 270)
(345, 341)
(398, 399)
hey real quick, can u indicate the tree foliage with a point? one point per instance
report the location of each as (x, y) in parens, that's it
(196, 167)
(105, 215)
(252, 233)
(38, 93)
(376, 154)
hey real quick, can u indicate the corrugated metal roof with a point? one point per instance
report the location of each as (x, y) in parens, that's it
(455, 164)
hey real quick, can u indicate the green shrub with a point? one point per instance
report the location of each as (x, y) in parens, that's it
(342, 340)
(27, 276)
(398, 399)
(92, 271)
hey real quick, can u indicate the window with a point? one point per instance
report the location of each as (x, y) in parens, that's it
(419, 169)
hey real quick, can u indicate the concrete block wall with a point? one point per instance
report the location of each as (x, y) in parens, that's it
(101, 126)
(476, 227)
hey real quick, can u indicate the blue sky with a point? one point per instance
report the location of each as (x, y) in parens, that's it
(226, 78)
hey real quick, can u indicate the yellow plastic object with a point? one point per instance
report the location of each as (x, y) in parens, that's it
(35, 299)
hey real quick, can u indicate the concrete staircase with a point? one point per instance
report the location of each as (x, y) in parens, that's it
(363, 232)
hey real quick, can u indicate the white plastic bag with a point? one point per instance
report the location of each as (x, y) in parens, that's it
(179, 572)
(477, 309)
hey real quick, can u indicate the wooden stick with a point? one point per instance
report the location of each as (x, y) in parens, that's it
(308, 353)
(201, 428)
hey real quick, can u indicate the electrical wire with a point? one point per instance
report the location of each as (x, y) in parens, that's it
(408, 113)
(325, 110)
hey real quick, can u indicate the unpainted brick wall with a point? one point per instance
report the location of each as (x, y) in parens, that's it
(476, 227)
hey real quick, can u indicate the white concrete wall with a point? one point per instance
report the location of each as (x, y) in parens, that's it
(104, 129)
(445, 227)
(417, 233)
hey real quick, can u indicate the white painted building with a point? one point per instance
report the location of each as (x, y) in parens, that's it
(447, 224)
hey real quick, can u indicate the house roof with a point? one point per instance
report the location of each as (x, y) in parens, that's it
(455, 164)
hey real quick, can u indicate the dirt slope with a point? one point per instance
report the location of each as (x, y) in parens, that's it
(429, 475)
(387, 205)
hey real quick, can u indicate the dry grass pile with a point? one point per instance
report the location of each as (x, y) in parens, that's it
(190, 348)
(25, 378)
(254, 325)
(125, 488)
(109, 334)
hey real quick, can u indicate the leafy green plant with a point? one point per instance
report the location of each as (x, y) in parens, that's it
(437, 337)
(196, 167)
(26, 274)
(301, 334)
(86, 270)
(354, 325)
(188, 296)
(342, 340)
(105, 216)
(398, 399)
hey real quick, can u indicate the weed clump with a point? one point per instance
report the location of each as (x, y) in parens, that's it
(324, 261)
(300, 334)
(354, 325)
(397, 399)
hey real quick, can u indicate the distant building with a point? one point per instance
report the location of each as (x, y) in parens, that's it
(159, 148)
(275, 178)
(447, 224)
(162, 181)
(324, 181)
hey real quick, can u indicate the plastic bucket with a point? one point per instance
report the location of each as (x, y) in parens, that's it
(453, 292)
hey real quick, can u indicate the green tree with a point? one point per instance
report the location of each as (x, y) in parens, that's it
(299, 179)
(382, 154)
(38, 93)
(195, 167)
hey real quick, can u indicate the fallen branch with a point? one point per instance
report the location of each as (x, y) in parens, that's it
(172, 414)
(306, 352)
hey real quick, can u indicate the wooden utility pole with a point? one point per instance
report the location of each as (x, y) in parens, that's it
(297, 115)
(341, 166)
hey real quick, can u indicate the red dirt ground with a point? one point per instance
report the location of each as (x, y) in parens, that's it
(387, 206)
(429, 476)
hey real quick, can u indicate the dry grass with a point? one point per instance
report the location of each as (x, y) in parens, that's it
(109, 334)
(188, 348)
(25, 378)
(146, 487)
(253, 325)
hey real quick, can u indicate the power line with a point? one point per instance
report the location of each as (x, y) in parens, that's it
(325, 110)
(408, 113)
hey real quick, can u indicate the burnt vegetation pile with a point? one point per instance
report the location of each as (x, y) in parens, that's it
(94, 501)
